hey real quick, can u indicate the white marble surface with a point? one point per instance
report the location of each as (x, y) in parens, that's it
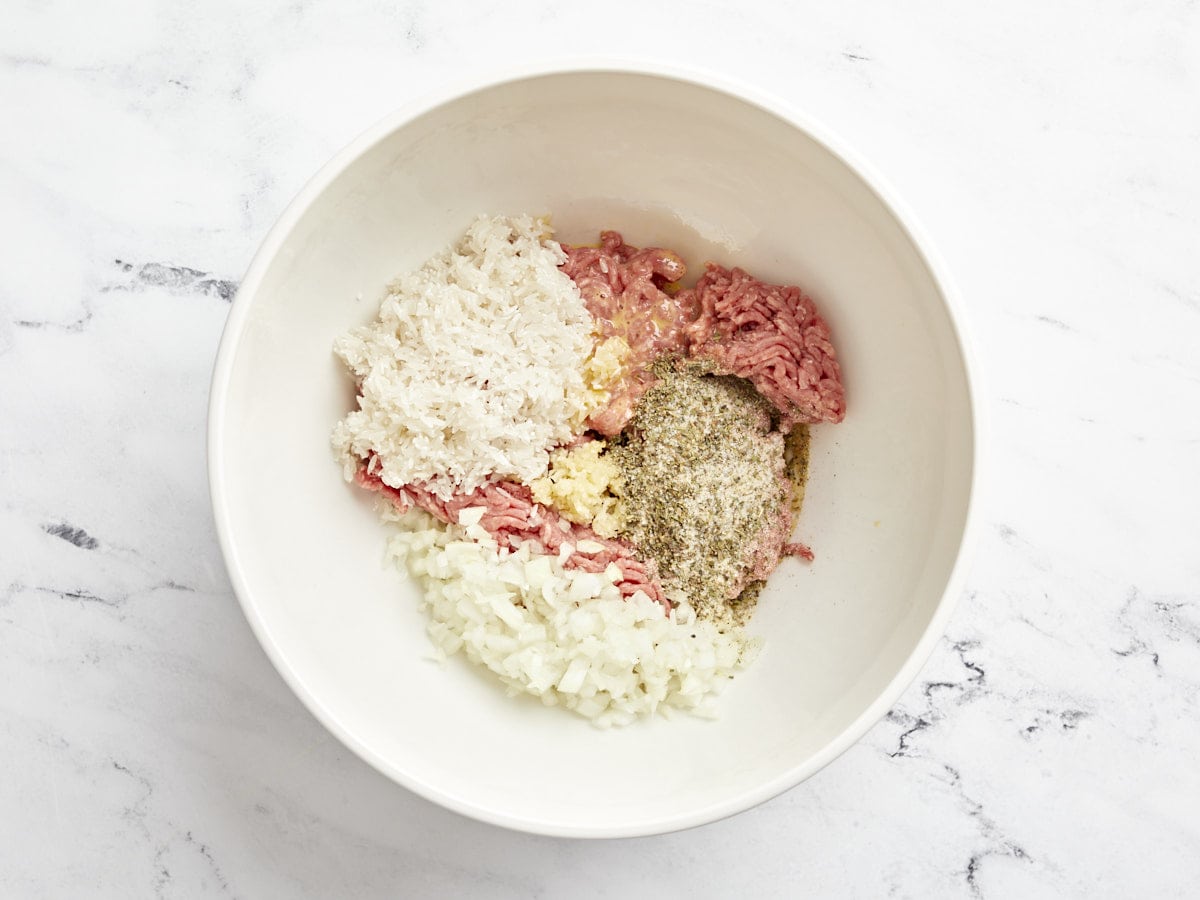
(1050, 748)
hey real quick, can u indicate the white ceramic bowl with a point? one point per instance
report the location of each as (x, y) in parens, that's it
(715, 173)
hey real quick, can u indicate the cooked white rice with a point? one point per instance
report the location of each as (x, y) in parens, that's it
(565, 636)
(475, 366)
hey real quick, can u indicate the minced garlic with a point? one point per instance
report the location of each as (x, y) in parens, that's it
(579, 484)
(602, 370)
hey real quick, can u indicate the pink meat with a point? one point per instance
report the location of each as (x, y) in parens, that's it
(622, 288)
(770, 334)
(762, 553)
(795, 548)
(511, 517)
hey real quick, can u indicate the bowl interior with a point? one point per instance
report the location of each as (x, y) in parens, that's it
(667, 162)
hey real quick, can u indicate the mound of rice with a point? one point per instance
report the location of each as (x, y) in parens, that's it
(563, 635)
(475, 367)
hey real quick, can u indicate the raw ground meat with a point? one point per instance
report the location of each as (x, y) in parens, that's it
(622, 288)
(770, 334)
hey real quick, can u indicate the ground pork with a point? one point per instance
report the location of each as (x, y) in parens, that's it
(770, 334)
(622, 288)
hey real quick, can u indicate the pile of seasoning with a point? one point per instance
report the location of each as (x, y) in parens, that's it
(704, 482)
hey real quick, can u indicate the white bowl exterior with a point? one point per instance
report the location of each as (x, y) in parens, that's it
(667, 161)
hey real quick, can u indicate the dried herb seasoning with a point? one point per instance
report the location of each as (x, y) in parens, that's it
(702, 476)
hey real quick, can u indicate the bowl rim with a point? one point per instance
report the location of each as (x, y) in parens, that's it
(454, 89)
